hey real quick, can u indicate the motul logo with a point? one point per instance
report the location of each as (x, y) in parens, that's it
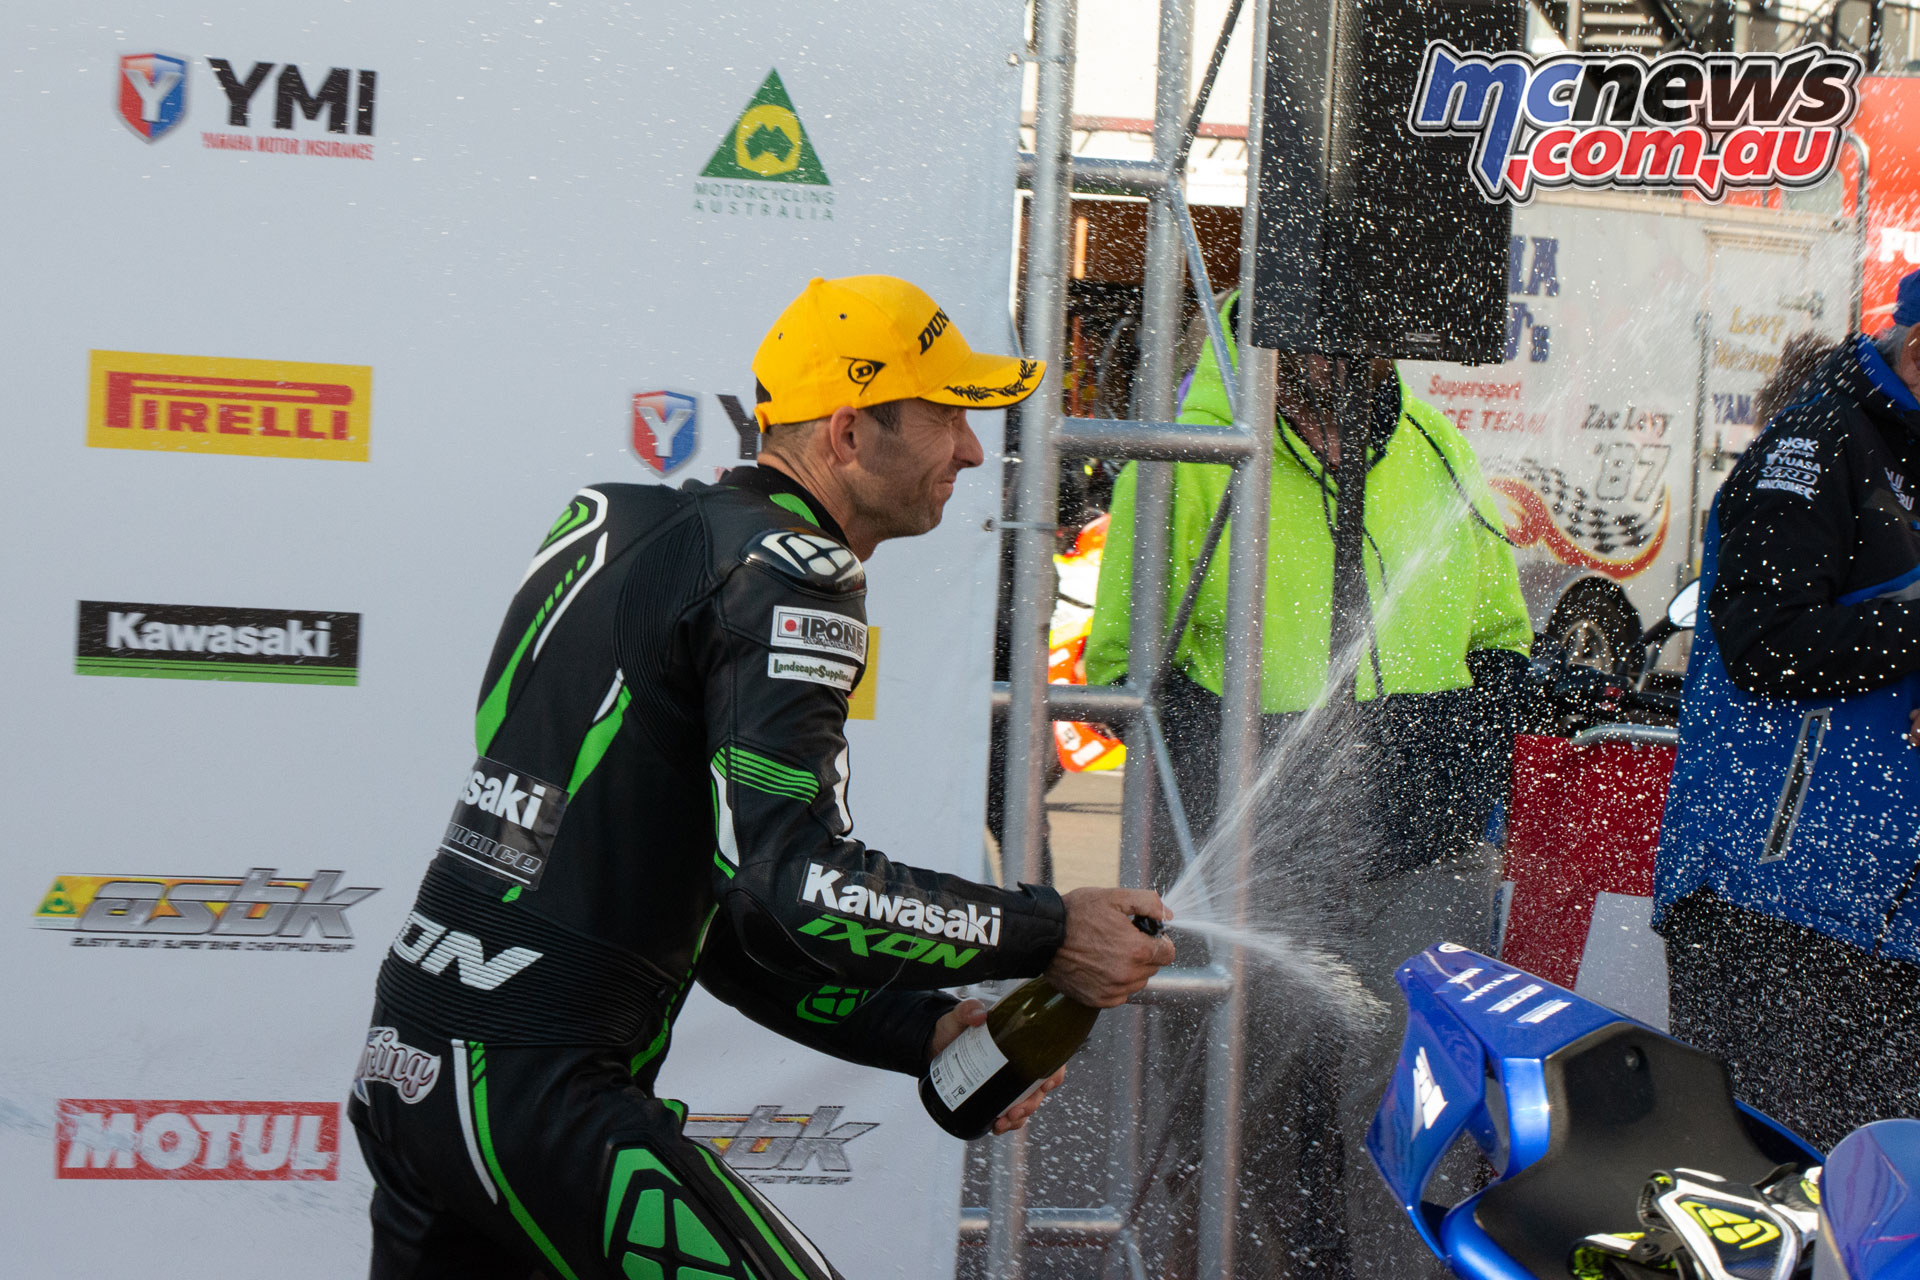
(121, 1138)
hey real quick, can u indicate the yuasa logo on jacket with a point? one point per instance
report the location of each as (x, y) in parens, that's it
(128, 1138)
(217, 642)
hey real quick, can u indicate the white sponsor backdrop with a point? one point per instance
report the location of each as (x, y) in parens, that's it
(520, 256)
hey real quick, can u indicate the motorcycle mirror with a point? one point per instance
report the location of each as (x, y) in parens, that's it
(1681, 612)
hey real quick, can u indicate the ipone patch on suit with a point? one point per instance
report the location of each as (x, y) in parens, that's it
(820, 631)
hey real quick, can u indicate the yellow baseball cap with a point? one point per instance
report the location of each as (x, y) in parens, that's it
(865, 340)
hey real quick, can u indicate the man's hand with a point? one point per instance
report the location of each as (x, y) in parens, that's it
(1105, 958)
(971, 1013)
(1913, 734)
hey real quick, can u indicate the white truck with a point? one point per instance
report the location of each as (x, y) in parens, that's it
(1639, 329)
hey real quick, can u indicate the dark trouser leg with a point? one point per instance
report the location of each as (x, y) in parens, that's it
(1818, 1034)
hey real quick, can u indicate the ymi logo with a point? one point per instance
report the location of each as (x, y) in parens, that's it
(1683, 120)
(258, 912)
(152, 101)
(770, 1147)
(666, 428)
(217, 642)
(153, 93)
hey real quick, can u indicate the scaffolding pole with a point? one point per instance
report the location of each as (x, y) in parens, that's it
(1240, 739)
(1161, 292)
(1027, 724)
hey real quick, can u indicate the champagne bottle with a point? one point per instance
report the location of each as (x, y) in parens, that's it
(1028, 1035)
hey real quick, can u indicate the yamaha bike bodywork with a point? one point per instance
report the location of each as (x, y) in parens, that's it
(1617, 1150)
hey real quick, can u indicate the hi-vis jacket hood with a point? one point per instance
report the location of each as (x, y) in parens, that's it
(1443, 584)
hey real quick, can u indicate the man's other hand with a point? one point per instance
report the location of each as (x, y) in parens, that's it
(1106, 958)
(1913, 734)
(971, 1013)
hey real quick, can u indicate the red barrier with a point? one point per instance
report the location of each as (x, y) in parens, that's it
(1584, 821)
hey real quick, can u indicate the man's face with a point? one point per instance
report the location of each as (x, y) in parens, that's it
(905, 476)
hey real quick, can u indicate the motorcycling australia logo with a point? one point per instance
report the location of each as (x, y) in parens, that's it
(217, 642)
(1706, 123)
(766, 166)
(768, 1146)
(260, 911)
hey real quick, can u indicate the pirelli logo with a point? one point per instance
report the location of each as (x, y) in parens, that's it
(205, 404)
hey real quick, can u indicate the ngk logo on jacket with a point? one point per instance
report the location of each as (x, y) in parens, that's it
(122, 1138)
(505, 822)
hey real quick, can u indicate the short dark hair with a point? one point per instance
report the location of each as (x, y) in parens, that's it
(887, 414)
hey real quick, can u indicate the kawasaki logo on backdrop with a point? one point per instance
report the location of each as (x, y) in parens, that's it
(215, 642)
(262, 911)
(765, 166)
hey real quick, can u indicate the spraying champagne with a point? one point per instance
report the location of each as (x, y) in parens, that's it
(1029, 1034)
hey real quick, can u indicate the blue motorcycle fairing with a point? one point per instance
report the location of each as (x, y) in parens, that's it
(1475, 1022)
(1869, 1211)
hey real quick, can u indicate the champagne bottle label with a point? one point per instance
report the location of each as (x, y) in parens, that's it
(963, 1066)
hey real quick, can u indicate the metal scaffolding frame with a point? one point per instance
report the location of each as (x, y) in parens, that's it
(1009, 1225)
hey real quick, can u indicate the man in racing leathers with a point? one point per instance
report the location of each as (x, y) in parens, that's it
(661, 796)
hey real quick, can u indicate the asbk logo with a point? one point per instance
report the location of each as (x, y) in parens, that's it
(665, 428)
(125, 1138)
(153, 93)
(1683, 120)
(768, 1146)
(386, 1060)
(260, 912)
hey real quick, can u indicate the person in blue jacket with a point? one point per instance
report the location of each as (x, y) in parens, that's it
(1785, 882)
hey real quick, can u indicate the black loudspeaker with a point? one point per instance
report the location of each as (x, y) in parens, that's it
(1373, 240)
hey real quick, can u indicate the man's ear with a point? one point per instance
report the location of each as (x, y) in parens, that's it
(841, 439)
(1910, 349)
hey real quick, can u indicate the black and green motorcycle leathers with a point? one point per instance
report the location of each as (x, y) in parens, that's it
(659, 796)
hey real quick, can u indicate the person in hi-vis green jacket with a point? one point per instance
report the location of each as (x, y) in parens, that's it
(1369, 826)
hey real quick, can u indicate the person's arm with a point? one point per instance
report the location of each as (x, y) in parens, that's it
(1107, 641)
(889, 1029)
(804, 898)
(1500, 621)
(1787, 527)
